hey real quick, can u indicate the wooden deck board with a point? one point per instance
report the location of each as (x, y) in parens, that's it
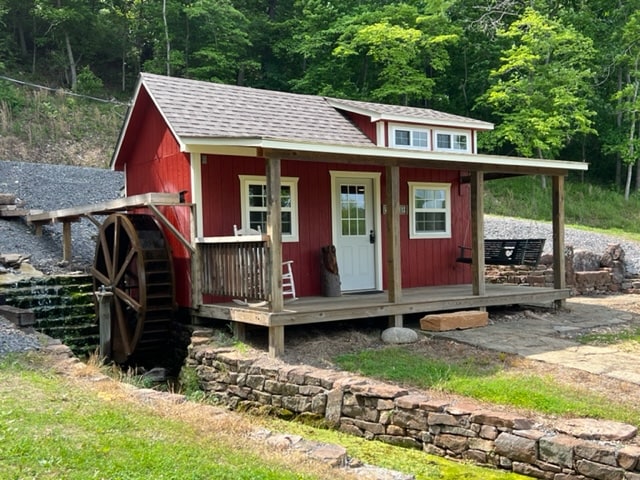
(309, 310)
(124, 203)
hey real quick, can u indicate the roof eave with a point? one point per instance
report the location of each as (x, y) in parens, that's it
(256, 146)
(381, 116)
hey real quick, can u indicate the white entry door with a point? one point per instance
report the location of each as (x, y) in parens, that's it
(355, 231)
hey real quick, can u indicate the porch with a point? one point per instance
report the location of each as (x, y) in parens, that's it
(422, 300)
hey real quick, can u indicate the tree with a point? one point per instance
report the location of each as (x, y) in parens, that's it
(541, 90)
(628, 98)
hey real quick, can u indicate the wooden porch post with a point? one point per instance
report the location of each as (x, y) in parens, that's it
(274, 259)
(394, 253)
(477, 233)
(559, 267)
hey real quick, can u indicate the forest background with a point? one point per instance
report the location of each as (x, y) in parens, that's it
(560, 79)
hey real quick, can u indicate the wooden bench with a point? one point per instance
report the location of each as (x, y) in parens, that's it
(523, 251)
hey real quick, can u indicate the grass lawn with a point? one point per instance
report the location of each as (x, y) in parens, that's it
(54, 426)
(487, 381)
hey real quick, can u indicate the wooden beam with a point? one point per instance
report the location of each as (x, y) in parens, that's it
(274, 232)
(176, 233)
(559, 267)
(66, 242)
(125, 203)
(474, 163)
(477, 233)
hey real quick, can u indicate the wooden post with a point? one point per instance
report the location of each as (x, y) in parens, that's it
(559, 267)
(394, 252)
(477, 233)
(66, 242)
(276, 341)
(274, 258)
(239, 331)
(274, 231)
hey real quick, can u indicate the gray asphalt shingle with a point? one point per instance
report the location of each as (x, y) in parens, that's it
(198, 109)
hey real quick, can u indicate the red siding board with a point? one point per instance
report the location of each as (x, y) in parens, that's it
(155, 164)
(364, 123)
(424, 262)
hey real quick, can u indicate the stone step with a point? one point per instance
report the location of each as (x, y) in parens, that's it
(19, 316)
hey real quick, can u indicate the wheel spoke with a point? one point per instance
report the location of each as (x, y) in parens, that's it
(104, 245)
(123, 268)
(115, 247)
(101, 279)
(123, 328)
(128, 299)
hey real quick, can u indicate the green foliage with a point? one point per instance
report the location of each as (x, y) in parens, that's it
(89, 83)
(542, 88)
(484, 380)
(11, 97)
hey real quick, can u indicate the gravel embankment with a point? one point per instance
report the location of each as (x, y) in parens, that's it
(52, 187)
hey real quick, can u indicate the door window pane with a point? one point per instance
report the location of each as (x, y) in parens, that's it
(352, 210)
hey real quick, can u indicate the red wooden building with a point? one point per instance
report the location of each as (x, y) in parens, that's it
(395, 189)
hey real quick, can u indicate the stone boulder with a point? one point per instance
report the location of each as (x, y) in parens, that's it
(613, 253)
(585, 261)
(397, 335)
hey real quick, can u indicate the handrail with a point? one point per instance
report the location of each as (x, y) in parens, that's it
(234, 268)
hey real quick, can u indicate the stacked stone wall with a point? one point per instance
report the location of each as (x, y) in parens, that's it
(379, 411)
(586, 273)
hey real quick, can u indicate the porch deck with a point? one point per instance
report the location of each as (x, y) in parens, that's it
(308, 310)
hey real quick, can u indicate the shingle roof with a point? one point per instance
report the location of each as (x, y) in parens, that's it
(197, 109)
(210, 110)
(419, 114)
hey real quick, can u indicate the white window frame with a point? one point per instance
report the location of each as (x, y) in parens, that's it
(413, 233)
(452, 134)
(291, 182)
(393, 128)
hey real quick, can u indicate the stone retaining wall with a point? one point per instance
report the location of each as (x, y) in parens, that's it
(586, 273)
(380, 411)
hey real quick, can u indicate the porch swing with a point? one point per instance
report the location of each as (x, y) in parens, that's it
(520, 251)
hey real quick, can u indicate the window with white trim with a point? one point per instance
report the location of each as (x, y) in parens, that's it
(457, 142)
(409, 137)
(430, 210)
(254, 205)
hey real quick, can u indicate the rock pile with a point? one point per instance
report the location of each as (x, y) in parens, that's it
(586, 272)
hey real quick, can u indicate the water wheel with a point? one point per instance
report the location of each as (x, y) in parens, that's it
(133, 260)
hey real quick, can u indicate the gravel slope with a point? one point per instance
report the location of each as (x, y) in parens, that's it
(51, 187)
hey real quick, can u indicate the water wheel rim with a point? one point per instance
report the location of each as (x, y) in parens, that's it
(119, 266)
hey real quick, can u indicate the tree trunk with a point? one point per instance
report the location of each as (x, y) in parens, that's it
(543, 178)
(627, 185)
(72, 63)
(166, 36)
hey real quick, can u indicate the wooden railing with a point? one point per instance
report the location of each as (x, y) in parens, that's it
(234, 267)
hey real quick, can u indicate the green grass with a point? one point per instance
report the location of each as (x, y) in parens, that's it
(628, 337)
(60, 427)
(587, 206)
(51, 429)
(486, 381)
